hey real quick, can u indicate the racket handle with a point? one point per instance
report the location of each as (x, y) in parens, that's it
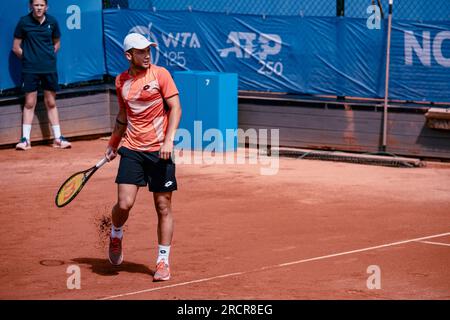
(101, 162)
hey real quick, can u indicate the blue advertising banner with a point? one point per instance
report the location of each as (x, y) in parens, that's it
(81, 57)
(312, 55)
(294, 54)
(420, 61)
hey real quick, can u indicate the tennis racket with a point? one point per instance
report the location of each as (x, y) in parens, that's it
(73, 185)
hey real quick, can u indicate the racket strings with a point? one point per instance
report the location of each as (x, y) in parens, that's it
(69, 189)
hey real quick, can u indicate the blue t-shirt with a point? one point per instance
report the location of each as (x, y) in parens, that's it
(37, 43)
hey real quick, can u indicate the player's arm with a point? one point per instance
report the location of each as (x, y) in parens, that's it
(174, 120)
(17, 47)
(119, 130)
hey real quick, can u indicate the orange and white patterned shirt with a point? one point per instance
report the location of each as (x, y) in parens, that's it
(141, 96)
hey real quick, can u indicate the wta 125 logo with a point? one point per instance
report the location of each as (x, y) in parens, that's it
(262, 46)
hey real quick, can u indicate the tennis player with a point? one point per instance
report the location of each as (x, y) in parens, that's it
(148, 130)
(36, 42)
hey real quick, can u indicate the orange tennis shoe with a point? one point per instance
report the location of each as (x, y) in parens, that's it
(162, 272)
(115, 251)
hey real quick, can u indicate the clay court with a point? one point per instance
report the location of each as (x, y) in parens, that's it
(310, 232)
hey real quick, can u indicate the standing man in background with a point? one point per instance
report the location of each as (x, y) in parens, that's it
(36, 42)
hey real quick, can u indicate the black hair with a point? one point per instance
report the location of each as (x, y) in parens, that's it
(31, 2)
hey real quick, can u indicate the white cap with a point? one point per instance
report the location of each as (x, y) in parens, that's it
(137, 41)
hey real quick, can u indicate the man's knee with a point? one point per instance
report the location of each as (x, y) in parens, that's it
(50, 99)
(125, 204)
(30, 104)
(163, 208)
(50, 103)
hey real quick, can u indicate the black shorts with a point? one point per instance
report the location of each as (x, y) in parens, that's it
(48, 81)
(146, 168)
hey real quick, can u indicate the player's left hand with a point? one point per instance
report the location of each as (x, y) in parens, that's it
(166, 150)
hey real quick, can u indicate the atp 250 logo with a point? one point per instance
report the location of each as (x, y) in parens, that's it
(262, 46)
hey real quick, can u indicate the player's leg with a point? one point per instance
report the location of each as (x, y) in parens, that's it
(50, 86)
(120, 212)
(126, 196)
(163, 207)
(162, 183)
(30, 86)
(129, 177)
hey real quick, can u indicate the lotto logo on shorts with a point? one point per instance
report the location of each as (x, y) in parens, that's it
(168, 184)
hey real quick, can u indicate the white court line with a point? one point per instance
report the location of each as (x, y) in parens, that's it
(436, 243)
(275, 266)
(173, 285)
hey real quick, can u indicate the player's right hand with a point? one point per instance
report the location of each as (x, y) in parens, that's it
(110, 153)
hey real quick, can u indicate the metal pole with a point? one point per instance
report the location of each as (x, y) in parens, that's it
(386, 88)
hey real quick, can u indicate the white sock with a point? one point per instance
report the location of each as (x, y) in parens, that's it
(56, 131)
(116, 232)
(26, 129)
(163, 253)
